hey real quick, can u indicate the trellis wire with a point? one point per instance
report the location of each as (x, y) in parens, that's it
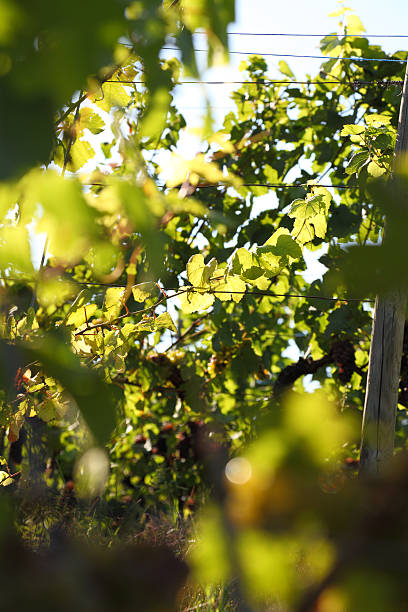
(353, 84)
(321, 57)
(191, 289)
(271, 185)
(294, 35)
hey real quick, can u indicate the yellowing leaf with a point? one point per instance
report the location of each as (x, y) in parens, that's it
(375, 170)
(110, 94)
(16, 423)
(91, 120)
(142, 291)
(178, 169)
(233, 287)
(5, 479)
(81, 315)
(354, 25)
(319, 223)
(164, 321)
(198, 273)
(242, 260)
(375, 120)
(352, 130)
(193, 301)
(79, 154)
(113, 302)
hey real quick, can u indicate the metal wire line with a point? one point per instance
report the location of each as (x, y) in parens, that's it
(284, 186)
(341, 35)
(321, 57)
(208, 290)
(271, 185)
(272, 82)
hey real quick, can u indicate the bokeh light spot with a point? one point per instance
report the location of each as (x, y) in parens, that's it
(238, 470)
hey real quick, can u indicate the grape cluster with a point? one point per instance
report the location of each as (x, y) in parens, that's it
(343, 354)
(218, 362)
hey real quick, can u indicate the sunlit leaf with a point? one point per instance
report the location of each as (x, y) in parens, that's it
(194, 301)
(164, 321)
(284, 69)
(142, 291)
(231, 287)
(113, 302)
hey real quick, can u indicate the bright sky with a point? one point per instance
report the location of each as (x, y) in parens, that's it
(295, 16)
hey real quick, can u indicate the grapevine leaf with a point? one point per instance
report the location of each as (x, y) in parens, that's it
(352, 130)
(232, 287)
(110, 94)
(376, 120)
(194, 301)
(113, 302)
(375, 169)
(268, 259)
(354, 24)
(164, 321)
(357, 162)
(142, 291)
(198, 273)
(242, 261)
(310, 216)
(95, 399)
(284, 69)
(81, 315)
(284, 244)
(90, 120)
(5, 479)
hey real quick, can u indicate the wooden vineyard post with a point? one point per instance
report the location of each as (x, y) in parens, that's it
(378, 428)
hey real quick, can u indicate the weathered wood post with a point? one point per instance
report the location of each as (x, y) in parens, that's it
(378, 429)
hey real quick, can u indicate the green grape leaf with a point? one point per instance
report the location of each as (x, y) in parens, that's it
(357, 162)
(310, 216)
(285, 245)
(268, 259)
(50, 410)
(284, 69)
